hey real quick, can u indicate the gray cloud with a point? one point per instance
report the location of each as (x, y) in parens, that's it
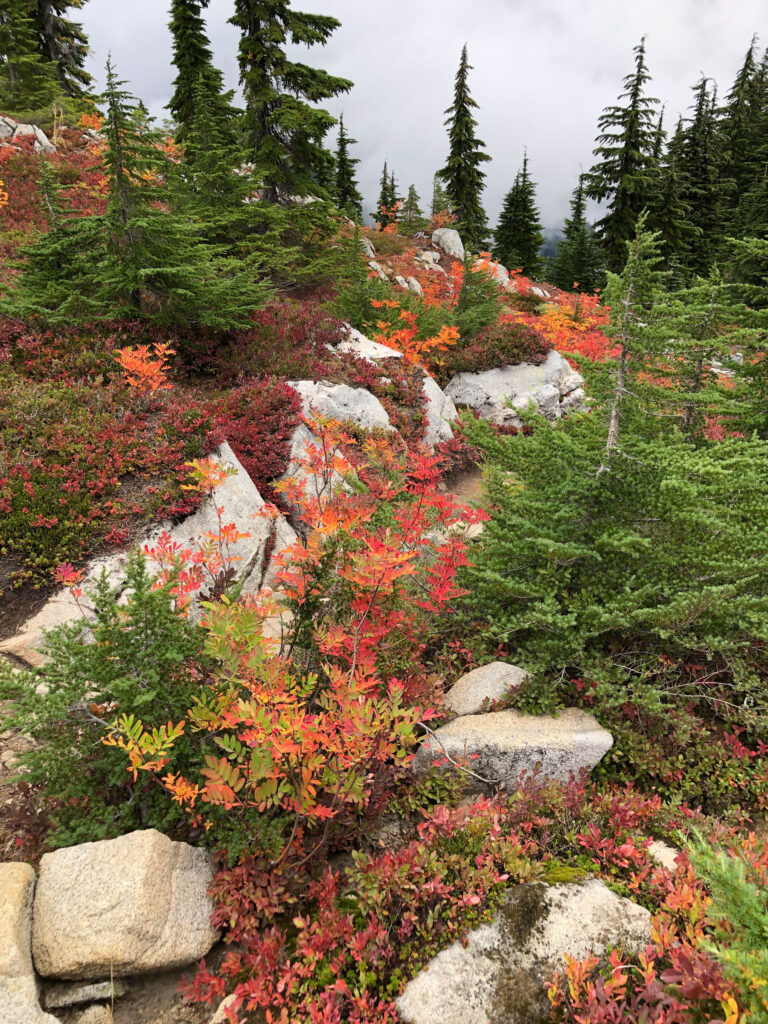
(544, 69)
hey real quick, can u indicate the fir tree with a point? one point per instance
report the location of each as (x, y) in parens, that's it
(196, 75)
(346, 192)
(622, 176)
(518, 237)
(669, 211)
(741, 122)
(386, 213)
(142, 257)
(411, 212)
(704, 187)
(577, 264)
(440, 200)
(27, 79)
(65, 43)
(285, 131)
(464, 179)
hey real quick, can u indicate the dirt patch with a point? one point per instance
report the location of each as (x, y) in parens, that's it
(466, 486)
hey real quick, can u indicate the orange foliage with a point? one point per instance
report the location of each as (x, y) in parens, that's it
(402, 335)
(92, 120)
(3, 194)
(147, 371)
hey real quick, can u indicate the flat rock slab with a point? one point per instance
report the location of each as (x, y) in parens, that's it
(241, 503)
(60, 994)
(122, 906)
(500, 975)
(488, 683)
(356, 344)
(500, 395)
(19, 1003)
(503, 744)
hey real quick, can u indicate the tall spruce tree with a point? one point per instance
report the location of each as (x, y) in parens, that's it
(518, 237)
(741, 121)
(27, 79)
(196, 75)
(463, 175)
(670, 213)
(346, 191)
(64, 42)
(385, 213)
(411, 212)
(577, 264)
(285, 130)
(623, 175)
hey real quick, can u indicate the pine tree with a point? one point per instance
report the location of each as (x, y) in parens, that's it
(577, 264)
(346, 191)
(750, 218)
(196, 74)
(285, 132)
(27, 80)
(65, 43)
(464, 179)
(670, 213)
(518, 237)
(704, 186)
(623, 175)
(741, 133)
(440, 200)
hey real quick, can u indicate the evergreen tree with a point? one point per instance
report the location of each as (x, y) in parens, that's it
(623, 174)
(196, 75)
(411, 212)
(27, 79)
(285, 131)
(346, 192)
(704, 186)
(464, 179)
(741, 124)
(670, 213)
(750, 218)
(142, 257)
(386, 213)
(440, 200)
(64, 42)
(577, 264)
(518, 237)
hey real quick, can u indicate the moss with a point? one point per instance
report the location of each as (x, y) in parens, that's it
(522, 910)
(559, 874)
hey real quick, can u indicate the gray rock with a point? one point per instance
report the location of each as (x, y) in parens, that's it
(24, 131)
(7, 127)
(357, 344)
(367, 246)
(42, 142)
(501, 394)
(19, 1003)
(220, 1017)
(539, 292)
(487, 683)
(501, 973)
(573, 402)
(122, 906)
(343, 403)
(441, 412)
(401, 282)
(414, 286)
(497, 270)
(377, 269)
(508, 743)
(664, 854)
(94, 1015)
(449, 240)
(60, 994)
(241, 503)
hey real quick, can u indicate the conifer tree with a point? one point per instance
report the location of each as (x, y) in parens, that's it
(65, 43)
(669, 212)
(27, 78)
(440, 200)
(346, 192)
(622, 176)
(386, 214)
(518, 237)
(741, 123)
(196, 75)
(705, 187)
(142, 257)
(411, 212)
(285, 130)
(577, 264)
(463, 175)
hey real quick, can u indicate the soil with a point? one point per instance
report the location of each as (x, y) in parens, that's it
(466, 486)
(153, 999)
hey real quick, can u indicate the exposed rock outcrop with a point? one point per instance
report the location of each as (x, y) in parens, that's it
(449, 240)
(343, 403)
(500, 395)
(500, 974)
(122, 906)
(503, 744)
(19, 1003)
(488, 683)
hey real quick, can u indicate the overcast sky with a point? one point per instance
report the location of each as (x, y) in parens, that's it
(543, 71)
